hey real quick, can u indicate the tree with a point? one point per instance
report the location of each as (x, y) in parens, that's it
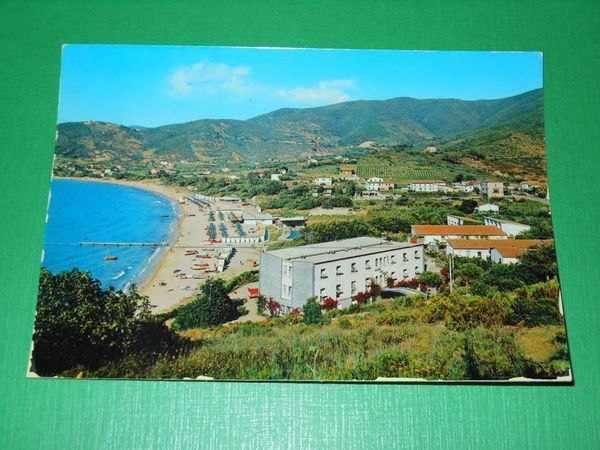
(467, 206)
(211, 308)
(431, 279)
(312, 311)
(79, 323)
(459, 178)
(502, 277)
(468, 272)
(538, 263)
(261, 304)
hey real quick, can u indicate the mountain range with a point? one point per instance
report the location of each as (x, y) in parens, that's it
(291, 133)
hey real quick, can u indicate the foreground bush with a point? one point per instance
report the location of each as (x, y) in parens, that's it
(211, 308)
(79, 324)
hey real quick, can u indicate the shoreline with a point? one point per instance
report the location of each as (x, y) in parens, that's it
(159, 269)
(161, 284)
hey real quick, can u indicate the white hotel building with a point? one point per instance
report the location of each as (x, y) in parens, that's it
(338, 269)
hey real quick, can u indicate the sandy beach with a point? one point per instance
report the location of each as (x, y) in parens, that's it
(163, 285)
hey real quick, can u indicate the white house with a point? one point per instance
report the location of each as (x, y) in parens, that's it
(275, 176)
(487, 207)
(503, 251)
(441, 233)
(323, 181)
(426, 185)
(378, 184)
(510, 227)
(466, 186)
(452, 219)
(337, 269)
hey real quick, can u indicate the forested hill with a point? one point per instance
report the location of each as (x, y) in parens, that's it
(292, 133)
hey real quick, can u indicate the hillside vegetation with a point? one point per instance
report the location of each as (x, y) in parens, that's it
(470, 131)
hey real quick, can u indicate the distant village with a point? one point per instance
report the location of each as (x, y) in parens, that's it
(340, 269)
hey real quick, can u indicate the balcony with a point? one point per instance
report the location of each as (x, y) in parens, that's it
(405, 260)
(323, 276)
(354, 270)
(339, 273)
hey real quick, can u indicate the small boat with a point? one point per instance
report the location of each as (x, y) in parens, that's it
(110, 258)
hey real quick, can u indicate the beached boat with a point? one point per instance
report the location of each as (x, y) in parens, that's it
(191, 252)
(110, 258)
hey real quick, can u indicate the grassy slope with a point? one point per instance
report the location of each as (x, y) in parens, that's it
(386, 339)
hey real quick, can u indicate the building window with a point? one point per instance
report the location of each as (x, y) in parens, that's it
(376, 262)
(322, 293)
(368, 264)
(338, 270)
(393, 259)
(405, 273)
(338, 291)
(417, 270)
(353, 267)
(323, 273)
(367, 283)
(404, 258)
(417, 254)
(353, 287)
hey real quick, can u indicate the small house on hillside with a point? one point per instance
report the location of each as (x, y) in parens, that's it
(487, 207)
(426, 185)
(510, 227)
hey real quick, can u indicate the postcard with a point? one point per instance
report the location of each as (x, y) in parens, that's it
(229, 213)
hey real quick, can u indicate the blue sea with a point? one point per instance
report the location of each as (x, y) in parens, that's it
(87, 211)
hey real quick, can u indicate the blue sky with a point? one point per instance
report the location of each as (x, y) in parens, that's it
(158, 85)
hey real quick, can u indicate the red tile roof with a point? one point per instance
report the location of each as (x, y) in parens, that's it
(469, 244)
(457, 230)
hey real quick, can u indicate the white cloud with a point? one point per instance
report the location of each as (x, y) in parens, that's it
(210, 78)
(327, 91)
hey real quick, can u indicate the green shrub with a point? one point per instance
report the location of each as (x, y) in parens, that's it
(493, 354)
(312, 312)
(211, 308)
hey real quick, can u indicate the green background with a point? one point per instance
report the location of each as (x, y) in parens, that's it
(47, 413)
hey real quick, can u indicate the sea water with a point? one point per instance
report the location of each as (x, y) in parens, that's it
(87, 211)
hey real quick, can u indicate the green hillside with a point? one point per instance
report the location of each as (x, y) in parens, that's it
(457, 126)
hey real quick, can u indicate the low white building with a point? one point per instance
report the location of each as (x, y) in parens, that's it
(510, 227)
(323, 181)
(426, 185)
(487, 207)
(466, 186)
(275, 176)
(378, 184)
(255, 219)
(429, 234)
(452, 219)
(337, 269)
(503, 251)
